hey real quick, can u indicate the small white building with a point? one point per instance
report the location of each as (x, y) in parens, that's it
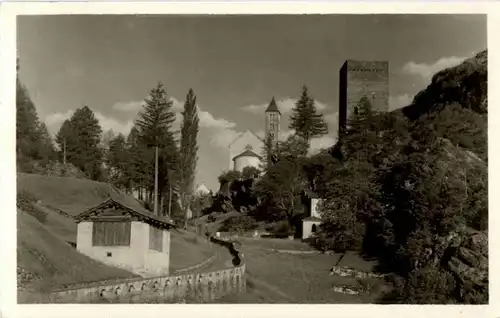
(247, 158)
(311, 223)
(120, 232)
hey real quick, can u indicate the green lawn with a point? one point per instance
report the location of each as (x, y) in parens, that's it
(284, 278)
(278, 244)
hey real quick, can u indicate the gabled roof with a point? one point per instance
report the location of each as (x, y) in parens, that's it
(272, 107)
(131, 206)
(243, 133)
(247, 153)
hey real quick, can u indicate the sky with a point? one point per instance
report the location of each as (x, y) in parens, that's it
(234, 64)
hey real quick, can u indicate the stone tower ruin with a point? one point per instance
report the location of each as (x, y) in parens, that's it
(362, 78)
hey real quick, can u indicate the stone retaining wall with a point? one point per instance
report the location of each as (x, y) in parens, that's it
(196, 287)
(201, 287)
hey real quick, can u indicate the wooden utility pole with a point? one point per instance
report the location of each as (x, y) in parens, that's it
(64, 152)
(156, 182)
(170, 198)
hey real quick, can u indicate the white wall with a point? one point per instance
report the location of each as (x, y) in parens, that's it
(158, 263)
(137, 257)
(307, 228)
(242, 162)
(314, 208)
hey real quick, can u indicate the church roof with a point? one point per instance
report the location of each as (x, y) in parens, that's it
(247, 153)
(272, 107)
(240, 135)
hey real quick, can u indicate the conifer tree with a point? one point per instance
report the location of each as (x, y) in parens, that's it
(306, 122)
(117, 158)
(139, 167)
(188, 152)
(80, 136)
(33, 142)
(154, 127)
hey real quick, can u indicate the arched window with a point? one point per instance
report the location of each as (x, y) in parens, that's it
(313, 229)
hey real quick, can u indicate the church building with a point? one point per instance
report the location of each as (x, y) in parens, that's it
(247, 148)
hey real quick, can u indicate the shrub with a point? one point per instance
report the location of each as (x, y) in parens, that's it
(282, 229)
(25, 202)
(239, 224)
(427, 285)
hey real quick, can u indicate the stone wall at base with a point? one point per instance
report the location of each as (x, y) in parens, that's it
(194, 287)
(200, 287)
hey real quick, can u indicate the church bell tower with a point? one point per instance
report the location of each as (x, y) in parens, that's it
(273, 117)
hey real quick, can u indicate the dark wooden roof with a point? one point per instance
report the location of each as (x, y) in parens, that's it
(130, 208)
(273, 107)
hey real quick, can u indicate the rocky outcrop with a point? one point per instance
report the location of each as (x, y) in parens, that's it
(469, 261)
(465, 84)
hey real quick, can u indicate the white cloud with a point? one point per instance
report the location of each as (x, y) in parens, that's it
(220, 130)
(283, 134)
(136, 105)
(332, 119)
(427, 70)
(129, 106)
(222, 137)
(326, 141)
(54, 122)
(207, 120)
(285, 106)
(399, 101)
(111, 123)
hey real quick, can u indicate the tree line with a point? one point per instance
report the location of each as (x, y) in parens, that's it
(128, 162)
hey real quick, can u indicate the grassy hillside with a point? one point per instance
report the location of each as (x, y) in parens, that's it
(70, 195)
(45, 261)
(54, 234)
